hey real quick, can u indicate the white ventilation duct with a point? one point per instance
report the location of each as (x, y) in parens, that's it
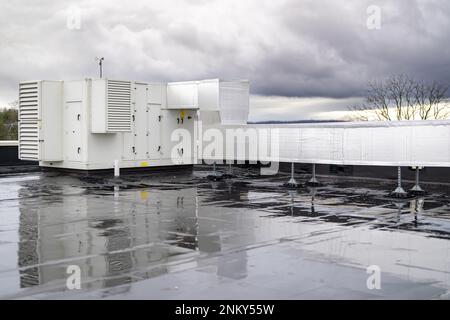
(229, 98)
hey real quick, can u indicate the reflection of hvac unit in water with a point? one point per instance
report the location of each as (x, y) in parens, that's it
(121, 227)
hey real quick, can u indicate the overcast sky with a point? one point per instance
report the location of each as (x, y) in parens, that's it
(305, 59)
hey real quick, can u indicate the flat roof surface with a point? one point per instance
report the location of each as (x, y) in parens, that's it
(177, 235)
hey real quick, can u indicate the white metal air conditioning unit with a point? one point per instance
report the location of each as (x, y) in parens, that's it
(91, 124)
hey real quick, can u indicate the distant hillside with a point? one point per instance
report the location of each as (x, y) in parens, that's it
(294, 121)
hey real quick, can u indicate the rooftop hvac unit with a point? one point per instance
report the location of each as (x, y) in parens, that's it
(91, 124)
(40, 120)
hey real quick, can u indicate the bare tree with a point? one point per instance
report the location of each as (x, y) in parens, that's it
(14, 104)
(431, 100)
(402, 98)
(438, 100)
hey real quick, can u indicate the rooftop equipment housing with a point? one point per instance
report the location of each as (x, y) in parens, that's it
(88, 124)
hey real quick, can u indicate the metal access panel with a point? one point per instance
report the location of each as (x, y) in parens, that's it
(73, 147)
(157, 94)
(178, 136)
(156, 100)
(144, 141)
(154, 131)
(40, 120)
(140, 121)
(189, 144)
(182, 95)
(169, 123)
(208, 95)
(128, 144)
(111, 108)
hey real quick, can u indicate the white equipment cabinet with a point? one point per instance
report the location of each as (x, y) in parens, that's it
(88, 124)
(39, 104)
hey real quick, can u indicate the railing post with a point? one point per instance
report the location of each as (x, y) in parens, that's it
(313, 181)
(399, 192)
(116, 168)
(292, 183)
(417, 189)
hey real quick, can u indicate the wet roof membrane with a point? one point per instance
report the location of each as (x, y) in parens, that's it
(177, 235)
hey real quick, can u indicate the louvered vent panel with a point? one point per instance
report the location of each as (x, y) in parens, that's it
(234, 102)
(119, 106)
(28, 121)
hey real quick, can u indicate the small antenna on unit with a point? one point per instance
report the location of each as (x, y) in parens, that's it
(100, 63)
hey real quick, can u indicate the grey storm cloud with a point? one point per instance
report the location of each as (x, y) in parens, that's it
(290, 48)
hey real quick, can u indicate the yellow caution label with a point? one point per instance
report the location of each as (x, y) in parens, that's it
(143, 195)
(143, 164)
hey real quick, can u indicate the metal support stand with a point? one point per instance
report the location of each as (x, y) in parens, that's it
(399, 192)
(214, 176)
(313, 181)
(116, 169)
(417, 189)
(292, 183)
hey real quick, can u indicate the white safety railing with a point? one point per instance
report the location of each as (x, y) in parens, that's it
(393, 143)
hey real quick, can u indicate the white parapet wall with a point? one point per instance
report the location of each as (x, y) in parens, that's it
(393, 143)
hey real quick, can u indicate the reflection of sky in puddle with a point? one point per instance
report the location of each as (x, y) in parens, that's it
(140, 227)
